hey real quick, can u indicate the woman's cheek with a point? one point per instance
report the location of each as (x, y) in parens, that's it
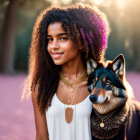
(49, 49)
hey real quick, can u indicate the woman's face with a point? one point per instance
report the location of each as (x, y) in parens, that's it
(60, 46)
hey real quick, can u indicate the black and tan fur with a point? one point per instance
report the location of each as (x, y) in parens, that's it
(110, 100)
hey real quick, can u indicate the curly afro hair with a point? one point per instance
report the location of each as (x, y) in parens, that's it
(86, 27)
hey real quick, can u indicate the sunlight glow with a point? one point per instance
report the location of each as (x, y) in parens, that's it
(121, 3)
(126, 44)
(66, 1)
(98, 2)
(6, 3)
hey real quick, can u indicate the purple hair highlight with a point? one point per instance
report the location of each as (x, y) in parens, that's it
(91, 34)
(103, 32)
(99, 24)
(89, 39)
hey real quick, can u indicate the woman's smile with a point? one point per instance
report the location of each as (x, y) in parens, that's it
(56, 55)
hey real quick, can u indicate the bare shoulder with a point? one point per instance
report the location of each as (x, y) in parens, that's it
(40, 118)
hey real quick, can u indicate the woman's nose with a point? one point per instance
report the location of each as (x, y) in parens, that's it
(55, 44)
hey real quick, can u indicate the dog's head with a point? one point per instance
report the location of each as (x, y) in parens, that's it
(106, 84)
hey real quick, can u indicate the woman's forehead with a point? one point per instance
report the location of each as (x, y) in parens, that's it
(55, 29)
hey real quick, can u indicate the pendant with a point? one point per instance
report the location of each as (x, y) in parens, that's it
(102, 124)
(68, 114)
(71, 89)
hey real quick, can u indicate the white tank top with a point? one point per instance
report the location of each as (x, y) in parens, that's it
(59, 129)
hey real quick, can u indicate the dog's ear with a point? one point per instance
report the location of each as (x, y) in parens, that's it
(118, 65)
(91, 66)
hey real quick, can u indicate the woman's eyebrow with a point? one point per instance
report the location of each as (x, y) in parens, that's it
(60, 34)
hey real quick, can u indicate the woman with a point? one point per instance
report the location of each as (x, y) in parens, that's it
(63, 40)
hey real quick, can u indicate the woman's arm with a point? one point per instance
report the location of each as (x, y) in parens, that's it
(40, 119)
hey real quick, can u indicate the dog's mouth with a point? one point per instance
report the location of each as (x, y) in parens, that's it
(106, 99)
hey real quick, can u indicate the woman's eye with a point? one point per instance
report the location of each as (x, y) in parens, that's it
(64, 38)
(49, 39)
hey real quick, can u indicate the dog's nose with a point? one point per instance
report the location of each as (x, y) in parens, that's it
(93, 98)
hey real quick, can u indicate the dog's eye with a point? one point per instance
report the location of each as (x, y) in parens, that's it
(94, 81)
(108, 82)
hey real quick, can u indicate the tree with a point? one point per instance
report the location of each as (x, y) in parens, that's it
(7, 53)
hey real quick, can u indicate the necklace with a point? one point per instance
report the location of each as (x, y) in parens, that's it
(69, 110)
(104, 118)
(66, 82)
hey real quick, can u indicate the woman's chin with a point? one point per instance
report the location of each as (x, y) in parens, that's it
(58, 62)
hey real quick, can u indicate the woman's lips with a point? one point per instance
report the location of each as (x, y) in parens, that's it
(57, 55)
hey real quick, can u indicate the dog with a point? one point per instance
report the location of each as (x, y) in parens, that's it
(115, 115)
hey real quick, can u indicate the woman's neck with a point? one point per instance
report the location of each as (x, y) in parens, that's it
(73, 69)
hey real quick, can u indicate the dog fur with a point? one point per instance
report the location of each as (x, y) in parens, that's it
(108, 89)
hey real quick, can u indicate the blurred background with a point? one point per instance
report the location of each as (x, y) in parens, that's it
(17, 19)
